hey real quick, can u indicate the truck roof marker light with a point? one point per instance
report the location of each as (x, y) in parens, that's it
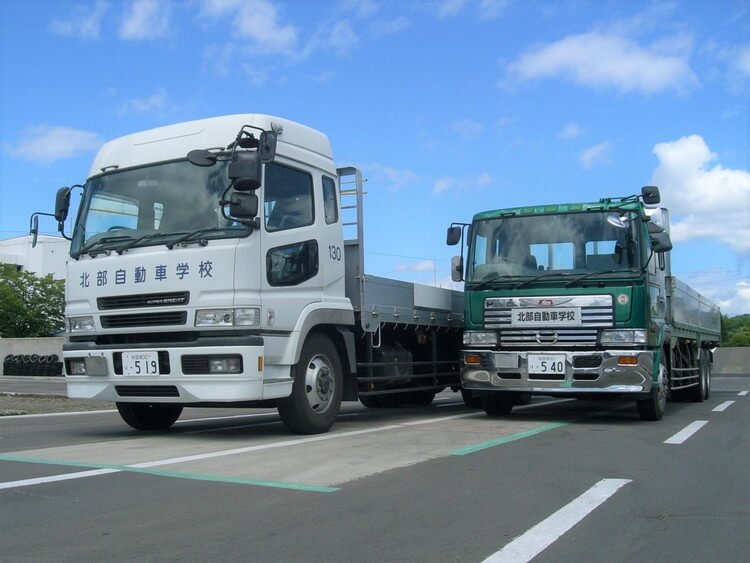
(627, 361)
(472, 360)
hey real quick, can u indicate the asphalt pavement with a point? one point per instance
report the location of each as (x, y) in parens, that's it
(557, 480)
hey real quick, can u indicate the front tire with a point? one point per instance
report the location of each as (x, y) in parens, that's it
(149, 416)
(470, 400)
(316, 393)
(653, 408)
(497, 404)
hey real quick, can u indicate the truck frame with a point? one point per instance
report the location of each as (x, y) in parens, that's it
(578, 300)
(220, 263)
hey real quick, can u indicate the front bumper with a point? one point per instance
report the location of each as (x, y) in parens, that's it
(508, 371)
(179, 381)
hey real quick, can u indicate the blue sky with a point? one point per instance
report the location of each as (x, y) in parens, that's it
(449, 106)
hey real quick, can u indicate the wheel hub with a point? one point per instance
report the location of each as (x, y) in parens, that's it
(319, 385)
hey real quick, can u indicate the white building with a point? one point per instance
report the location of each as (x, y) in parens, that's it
(48, 257)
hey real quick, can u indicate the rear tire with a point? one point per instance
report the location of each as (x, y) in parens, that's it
(653, 408)
(149, 416)
(421, 398)
(700, 392)
(497, 404)
(370, 401)
(316, 393)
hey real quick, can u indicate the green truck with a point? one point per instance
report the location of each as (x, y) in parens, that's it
(578, 300)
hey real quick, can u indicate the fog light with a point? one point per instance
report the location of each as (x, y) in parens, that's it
(77, 366)
(224, 365)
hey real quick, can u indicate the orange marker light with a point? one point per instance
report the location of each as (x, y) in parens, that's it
(627, 361)
(260, 363)
(472, 359)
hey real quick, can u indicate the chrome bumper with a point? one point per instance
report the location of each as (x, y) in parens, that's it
(508, 371)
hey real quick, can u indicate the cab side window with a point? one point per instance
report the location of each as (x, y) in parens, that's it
(288, 198)
(330, 205)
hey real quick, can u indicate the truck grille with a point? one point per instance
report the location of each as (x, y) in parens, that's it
(166, 318)
(143, 300)
(596, 312)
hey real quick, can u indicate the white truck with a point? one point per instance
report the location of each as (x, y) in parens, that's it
(210, 267)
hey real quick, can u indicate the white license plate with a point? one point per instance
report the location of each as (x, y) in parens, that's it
(546, 316)
(552, 364)
(140, 363)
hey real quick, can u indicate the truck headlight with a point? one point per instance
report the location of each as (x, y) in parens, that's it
(214, 317)
(476, 338)
(247, 316)
(628, 336)
(81, 324)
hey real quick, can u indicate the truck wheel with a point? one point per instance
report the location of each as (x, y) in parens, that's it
(700, 392)
(521, 398)
(470, 400)
(316, 393)
(653, 408)
(497, 404)
(149, 416)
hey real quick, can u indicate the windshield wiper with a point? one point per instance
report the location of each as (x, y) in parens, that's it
(540, 276)
(489, 280)
(87, 248)
(598, 273)
(187, 236)
(130, 244)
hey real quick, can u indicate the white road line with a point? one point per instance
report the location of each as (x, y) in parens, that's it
(530, 544)
(17, 416)
(723, 406)
(53, 478)
(686, 432)
(742, 393)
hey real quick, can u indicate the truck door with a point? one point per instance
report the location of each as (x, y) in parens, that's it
(290, 247)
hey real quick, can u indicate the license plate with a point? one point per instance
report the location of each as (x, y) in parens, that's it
(546, 316)
(552, 364)
(140, 363)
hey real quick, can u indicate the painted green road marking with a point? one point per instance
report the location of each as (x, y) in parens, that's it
(175, 474)
(505, 439)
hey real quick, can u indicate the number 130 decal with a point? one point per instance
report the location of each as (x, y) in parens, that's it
(334, 252)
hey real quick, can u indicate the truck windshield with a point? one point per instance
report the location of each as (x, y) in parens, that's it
(144, 206)
(551, 246)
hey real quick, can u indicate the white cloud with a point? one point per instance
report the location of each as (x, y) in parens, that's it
(359, 8)
(258, 20)
(571, 131)
(84, 23)
(491, 9)
(706, 202)
(598, 60)
(155, 102)
(145, 19)
(743, 60)
(46, 144)
(393, 179)
(383, 28)
(423, 266)
(450, 8)
(342, 38)
(467, 129)
(451, 183)
(597, 154)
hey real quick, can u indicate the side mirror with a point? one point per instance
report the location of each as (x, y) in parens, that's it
(457, 268)
(245, 171)
(660, 242)
(243, 206)
(650, 195)
(62, 204)
(454, 236)
(202, 157)
(267, 148)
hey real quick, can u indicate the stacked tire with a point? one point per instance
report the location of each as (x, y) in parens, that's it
(32, 365)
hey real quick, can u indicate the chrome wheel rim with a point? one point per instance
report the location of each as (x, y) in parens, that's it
(320, 384)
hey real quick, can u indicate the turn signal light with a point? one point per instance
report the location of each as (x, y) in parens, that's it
(472, 360)
(627, 361)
